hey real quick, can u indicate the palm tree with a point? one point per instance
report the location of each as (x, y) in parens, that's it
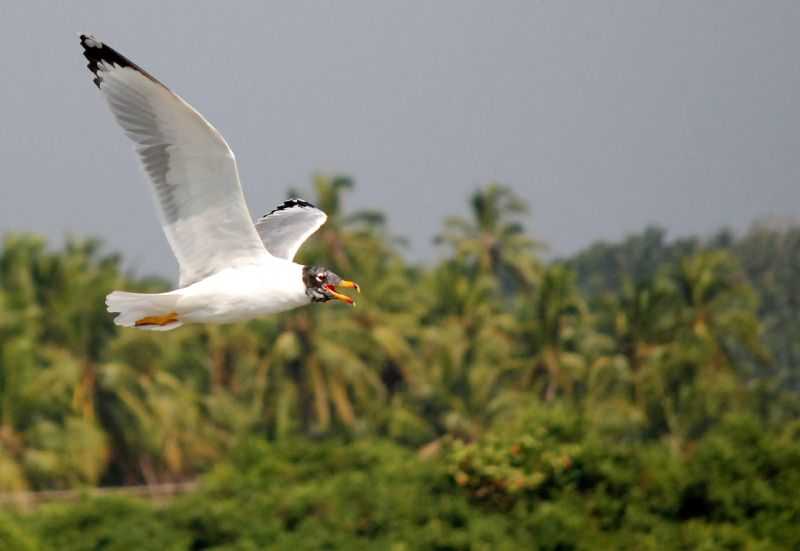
(52, 342)
(77, 281)
(719, 306)
(770, 256)
(467, 339)
(159, 409)
(326, 363)
(549, 322)
(715, 330)
(493, 240)
(467, 347)
(645, 319)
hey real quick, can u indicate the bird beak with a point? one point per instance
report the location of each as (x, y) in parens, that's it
(339, 296)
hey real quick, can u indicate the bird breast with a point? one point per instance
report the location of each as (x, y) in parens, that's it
(246, 292)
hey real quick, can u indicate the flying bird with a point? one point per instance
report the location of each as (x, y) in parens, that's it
(231, 269)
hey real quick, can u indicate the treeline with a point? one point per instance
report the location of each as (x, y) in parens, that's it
(767, 258)
(641, 390)
(550, 479)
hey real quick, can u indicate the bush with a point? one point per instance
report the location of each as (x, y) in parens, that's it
(13, 537)
(110, 524)
(549, 479)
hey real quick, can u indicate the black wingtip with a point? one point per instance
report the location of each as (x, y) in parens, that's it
(291, 203)
(99, 55)
(92, 49)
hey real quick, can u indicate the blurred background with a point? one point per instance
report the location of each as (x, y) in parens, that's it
(577, 228)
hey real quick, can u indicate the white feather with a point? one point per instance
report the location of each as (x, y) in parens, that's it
(234, 294)
(190, 166)
(135, 306)
(287, 227)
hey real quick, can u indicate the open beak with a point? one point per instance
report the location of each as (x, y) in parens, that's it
(339, 296)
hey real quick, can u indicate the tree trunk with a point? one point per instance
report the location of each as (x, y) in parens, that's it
(553, 364)
(83, 398)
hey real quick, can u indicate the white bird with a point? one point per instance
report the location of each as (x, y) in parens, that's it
(230, 268)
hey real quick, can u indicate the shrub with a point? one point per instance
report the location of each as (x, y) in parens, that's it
(110, 524)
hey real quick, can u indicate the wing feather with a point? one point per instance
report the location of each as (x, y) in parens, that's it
(190, 166)
(288, 226)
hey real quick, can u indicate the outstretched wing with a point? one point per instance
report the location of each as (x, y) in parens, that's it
(287, 227)
(191, 168)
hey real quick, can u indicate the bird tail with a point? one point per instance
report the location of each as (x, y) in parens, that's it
(153, 312)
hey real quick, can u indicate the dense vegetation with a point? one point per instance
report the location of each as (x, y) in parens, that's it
(637, 395)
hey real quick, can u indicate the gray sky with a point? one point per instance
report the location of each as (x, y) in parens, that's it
(605, 116)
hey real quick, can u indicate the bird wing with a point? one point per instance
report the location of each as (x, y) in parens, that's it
(287, 227)
(191, 167)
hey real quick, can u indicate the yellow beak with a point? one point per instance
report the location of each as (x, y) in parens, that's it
(339, 296)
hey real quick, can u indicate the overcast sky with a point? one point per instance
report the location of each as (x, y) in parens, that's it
(605, 116)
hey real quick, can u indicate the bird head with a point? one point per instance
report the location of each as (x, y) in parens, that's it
(321, 285)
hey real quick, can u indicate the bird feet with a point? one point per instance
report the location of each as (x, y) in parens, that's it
(166, 319)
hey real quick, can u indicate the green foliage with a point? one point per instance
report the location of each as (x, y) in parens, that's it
(111, 524)
(527, 462)
(640, 395)
(15, 538)
(545, 478)
(316, 495)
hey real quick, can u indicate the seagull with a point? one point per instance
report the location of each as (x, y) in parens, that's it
(231, 269)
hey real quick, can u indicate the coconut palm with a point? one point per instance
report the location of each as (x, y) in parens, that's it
(719, 306)
(52, 342)
(466, 345)
(645, 319)
(325, 364)
(549, 323)
(493, 240)
(716, 330)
